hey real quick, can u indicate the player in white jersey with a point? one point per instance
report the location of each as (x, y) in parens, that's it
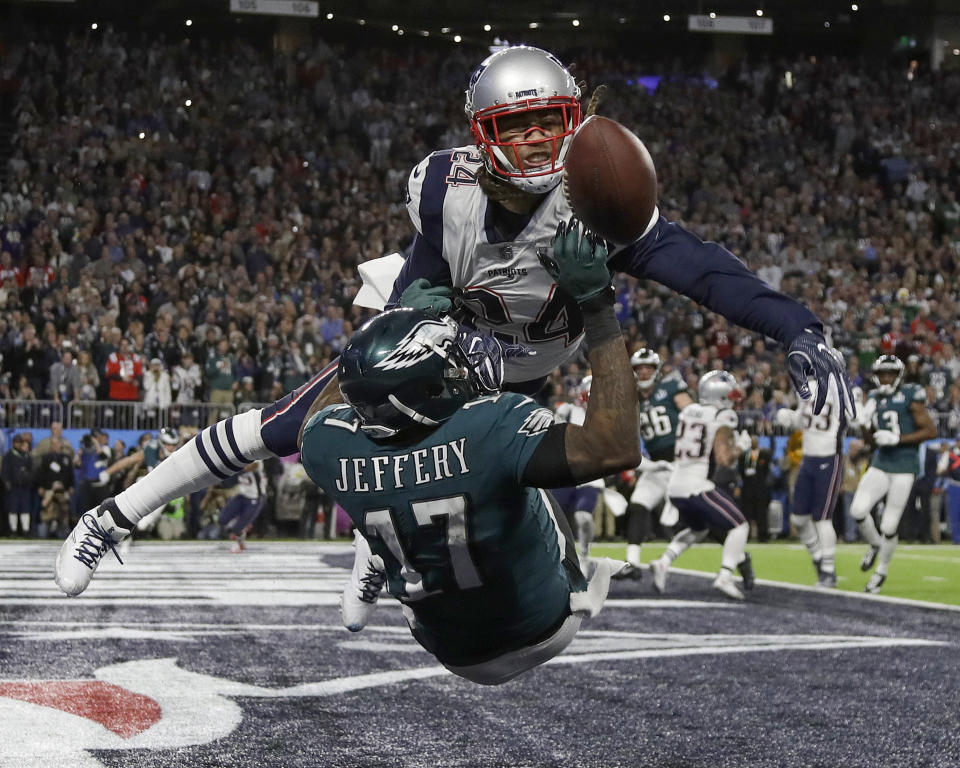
(706, 433)
(818, 481)
(484, 216)
(579, 501)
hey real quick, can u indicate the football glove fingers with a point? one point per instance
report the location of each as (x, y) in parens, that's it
(808, 357)
(421, 295)
(579, 261)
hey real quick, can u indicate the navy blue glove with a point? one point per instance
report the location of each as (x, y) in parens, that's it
(487, 354)
(809, 356)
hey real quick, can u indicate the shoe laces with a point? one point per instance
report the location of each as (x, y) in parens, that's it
(95, 543)
(371, 583)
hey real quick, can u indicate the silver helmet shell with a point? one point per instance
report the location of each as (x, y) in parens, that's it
(887, 363)
(646, 356)
(717, 388)
(516, 80)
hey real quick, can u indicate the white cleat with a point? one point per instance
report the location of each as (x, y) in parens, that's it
(367, 578)
(660, 569)
(84, 548)
(724, 583)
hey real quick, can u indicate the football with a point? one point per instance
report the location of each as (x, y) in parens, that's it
(610, 180)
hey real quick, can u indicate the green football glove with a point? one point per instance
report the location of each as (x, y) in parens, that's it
(579, 263)
(421, 295)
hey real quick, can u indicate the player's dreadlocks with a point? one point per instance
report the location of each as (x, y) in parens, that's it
(499, 190)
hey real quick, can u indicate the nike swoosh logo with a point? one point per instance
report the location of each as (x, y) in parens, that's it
(824, 466)
(417, 172)
(822, 348)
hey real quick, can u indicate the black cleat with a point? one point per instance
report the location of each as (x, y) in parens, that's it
(745, 569)
(630, 572)
(869, 558)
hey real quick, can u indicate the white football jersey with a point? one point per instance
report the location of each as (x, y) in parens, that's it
(571, 413)
(821, 433)
(696, 429)
(575, 414)
(504, 284)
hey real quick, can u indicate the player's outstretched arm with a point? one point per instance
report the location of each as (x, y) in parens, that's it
(607, 442)
(710, 275)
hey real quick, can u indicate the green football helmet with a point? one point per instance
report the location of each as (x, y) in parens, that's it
(404, 369)
(887, 364)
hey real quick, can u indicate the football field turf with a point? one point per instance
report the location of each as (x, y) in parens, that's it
(187, 655)
(917, 572)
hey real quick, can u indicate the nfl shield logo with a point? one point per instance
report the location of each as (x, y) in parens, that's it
(506, 252)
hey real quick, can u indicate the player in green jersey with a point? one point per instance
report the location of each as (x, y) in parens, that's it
(897, 414)
(441, 477)
(659, 402)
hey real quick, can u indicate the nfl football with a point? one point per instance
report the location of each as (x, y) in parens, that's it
(610, 181)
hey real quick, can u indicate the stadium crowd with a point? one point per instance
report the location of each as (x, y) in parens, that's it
(181, 222)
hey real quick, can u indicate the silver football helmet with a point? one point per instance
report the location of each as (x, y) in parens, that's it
(516, 80)
(646, 356)
(718, 388)
(887, 363)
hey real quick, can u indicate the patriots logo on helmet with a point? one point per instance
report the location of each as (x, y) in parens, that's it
(425, 339)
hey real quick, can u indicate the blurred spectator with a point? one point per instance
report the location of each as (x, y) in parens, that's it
(18, 483)
(156, 385)
(64, 376)
(187, 380)
(123, 372)
(220, 373)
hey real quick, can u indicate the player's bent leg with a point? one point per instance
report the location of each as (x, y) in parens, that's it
(733, 554)
(97, 531)
(367, 579)
(638, 528)
(873, 486)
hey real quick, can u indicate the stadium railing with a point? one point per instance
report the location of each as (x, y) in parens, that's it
(106, 414)
(30, 413)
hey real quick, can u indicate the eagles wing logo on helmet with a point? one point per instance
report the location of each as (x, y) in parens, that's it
(425, 339)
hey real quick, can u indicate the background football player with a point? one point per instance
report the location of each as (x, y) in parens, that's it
(659, 403)
(897, 414)
(484, 215)
(818, 482)
(706, 434)
(578, 502)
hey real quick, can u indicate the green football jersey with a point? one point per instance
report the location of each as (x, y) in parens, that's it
(893, 413)
(475, 555)
(658, 416)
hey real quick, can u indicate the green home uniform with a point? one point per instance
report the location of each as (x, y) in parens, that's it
(893, 413)
(658, 416)
(477, 557)
(151, 454)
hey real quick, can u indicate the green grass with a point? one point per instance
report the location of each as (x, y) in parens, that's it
(920, 572)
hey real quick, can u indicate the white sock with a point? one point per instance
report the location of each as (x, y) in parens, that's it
(24, 523)
(734, 546)
(887, 546)
(633, 554)
(682, 542)
(197, 465)
(827, 535)
(807, 534)
(12, 521)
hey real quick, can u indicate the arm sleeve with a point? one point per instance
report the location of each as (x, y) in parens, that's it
(425, 260)
(710, 275)
(548, 466)
(426, 191)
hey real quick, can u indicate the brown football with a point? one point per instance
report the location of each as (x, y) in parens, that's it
(610, 181)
